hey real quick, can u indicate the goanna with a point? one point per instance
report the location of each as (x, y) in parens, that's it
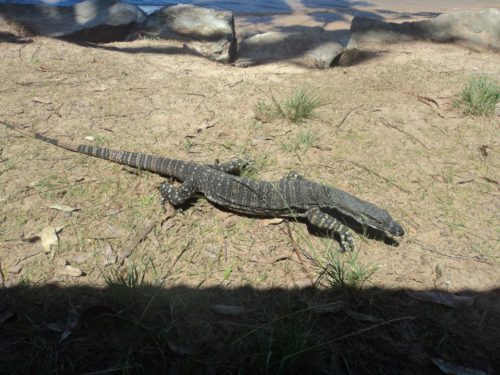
(292, 196)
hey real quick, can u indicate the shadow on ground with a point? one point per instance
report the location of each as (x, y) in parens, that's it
(129, 326)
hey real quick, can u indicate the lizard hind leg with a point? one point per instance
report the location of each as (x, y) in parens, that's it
(176, 195)
(324, 221)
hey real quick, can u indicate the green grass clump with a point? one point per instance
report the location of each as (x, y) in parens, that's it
(296, 109)
(302, 142)
(346, 273)
(480, 96)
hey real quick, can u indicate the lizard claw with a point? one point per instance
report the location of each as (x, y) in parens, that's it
(346, 242)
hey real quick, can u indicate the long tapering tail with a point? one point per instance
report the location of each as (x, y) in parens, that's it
(157, 164)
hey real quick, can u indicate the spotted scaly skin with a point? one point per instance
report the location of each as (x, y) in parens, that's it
(292, 196)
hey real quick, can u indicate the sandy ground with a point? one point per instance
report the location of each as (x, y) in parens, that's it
(388, 133)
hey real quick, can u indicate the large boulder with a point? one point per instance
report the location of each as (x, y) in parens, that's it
(91, 20)
(208, 32)
(315, 48)
(475, 29)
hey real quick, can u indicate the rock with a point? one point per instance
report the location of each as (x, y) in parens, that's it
(91, 20)
(208, 32)
(314, 48)
(476, 29)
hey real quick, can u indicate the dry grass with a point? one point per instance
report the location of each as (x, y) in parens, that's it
(402, 146)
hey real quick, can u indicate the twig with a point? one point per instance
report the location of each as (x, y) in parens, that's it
(127, 251)
(348, 336)
(347, 115)
(427, 101)
(413, 138)
(461, 257)
(272, 260)
(379, 176)
(177, 258)
(296, 250)
(292, 240)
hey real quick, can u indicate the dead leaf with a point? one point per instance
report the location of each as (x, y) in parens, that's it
(80, 258)
(363, 317)
(70, 271)
(16, 268)
(101, 88)
(56, 327)
(110, 260)
(108, 250)
(180, 350)
(62, 207)
(6, 314)
(41, 100)
(450, 368)
(89, 138)
(97, 309)
(274, 221)
(271, 260)
(49, 238)
(329, 308)
(68, 327)
(484, 150)
(206, 125)
(266, 222)
(30, 239)
(442, 298)
(229, 310)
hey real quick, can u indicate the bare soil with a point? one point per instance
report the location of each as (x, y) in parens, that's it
(388, 132)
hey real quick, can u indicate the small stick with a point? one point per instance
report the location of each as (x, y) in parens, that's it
(2, 281)
(347, 115)
(379, 176)
(296, 250)
(127, 251)
(413, 138)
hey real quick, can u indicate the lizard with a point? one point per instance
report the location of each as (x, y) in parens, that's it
(291, 196)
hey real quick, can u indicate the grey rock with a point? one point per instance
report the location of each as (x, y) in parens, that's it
(477, 29)
(315, 48)
(208, 32)
(90, 20)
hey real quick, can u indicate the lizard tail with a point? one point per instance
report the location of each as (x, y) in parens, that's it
(31, 134)
(151, 163)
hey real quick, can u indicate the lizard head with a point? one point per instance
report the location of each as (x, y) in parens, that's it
(365, 213)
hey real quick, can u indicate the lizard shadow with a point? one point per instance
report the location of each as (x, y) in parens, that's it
(370, 233)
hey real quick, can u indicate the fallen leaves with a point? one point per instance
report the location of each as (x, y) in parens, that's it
(450, 368)
(63, 208)
(68, 270)
(6, 314)
(49, 238)
(66, 329)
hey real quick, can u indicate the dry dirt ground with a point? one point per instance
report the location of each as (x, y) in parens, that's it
(388, 132)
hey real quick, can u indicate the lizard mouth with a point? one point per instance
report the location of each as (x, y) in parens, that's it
(396, 230)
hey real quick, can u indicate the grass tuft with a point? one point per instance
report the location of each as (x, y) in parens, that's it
(296, 109)
(347, 273)
(480, 96)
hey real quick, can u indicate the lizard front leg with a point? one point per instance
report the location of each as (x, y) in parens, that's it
(177, 195)
(324, 221)
(231, 167)
(292, 175)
